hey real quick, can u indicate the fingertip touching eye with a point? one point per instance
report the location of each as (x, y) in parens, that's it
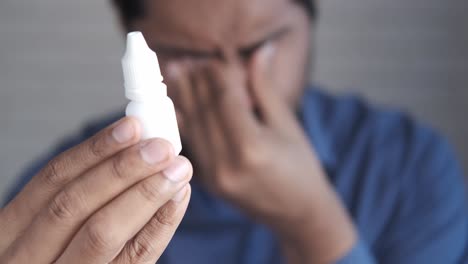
(174, 52)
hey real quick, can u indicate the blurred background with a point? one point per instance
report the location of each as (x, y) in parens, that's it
(60, 66)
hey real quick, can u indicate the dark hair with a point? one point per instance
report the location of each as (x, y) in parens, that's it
(132, 9)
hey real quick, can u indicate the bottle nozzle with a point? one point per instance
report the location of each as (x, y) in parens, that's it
(142, 74)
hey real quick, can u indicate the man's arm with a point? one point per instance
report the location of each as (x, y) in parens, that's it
(430, 223)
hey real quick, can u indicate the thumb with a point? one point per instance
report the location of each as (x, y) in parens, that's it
(260, 67)
(272, 108)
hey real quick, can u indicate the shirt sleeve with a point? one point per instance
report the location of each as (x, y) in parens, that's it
(360, 253)
(30, 171)
(430, 222)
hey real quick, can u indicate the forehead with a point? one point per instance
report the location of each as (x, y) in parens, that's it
(210, 22)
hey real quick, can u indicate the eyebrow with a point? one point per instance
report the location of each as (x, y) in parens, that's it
(184, 51)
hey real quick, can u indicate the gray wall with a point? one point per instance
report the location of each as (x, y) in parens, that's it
(59, 66)
(407, 54)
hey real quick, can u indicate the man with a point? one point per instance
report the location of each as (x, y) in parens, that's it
(283, 173)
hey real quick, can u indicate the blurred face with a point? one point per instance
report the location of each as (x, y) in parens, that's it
(232, 31)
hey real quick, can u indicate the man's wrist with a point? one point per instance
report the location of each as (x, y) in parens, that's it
(324, 234)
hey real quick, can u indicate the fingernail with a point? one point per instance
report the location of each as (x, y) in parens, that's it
(153, 151)
(177, 171)
(179, 196)
(124, 131)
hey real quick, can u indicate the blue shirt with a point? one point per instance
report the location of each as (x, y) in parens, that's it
(400, 182)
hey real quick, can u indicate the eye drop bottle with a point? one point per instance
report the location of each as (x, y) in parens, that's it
(147, 93)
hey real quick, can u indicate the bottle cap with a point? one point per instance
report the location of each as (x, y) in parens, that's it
(142, 74)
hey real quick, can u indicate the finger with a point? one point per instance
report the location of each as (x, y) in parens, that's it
(234, 112)
(186, 103)
(17, 215)
(56, 224)
(104, 235)
(207, 132)
(148, 245)
(196, 131)
(171, 72)
(179, 82)
(182, 75)
(213, 126)
(176, 90)
(273, 109)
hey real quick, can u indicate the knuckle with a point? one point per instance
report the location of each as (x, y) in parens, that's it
(223, 181)
(140, 250)
(63, 207)
(164, 218)
(100, 240)
(97, 146)
(51, 174)
(118, 167)
(150, 190)
(251, 156)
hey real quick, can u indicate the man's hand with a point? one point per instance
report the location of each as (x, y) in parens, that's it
(254, 153)
(111, 199)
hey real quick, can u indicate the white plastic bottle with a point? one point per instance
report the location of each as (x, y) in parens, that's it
(147, 93)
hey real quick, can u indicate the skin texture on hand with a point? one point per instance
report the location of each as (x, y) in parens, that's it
(238, 118)
(253, 153)
(111, 199)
